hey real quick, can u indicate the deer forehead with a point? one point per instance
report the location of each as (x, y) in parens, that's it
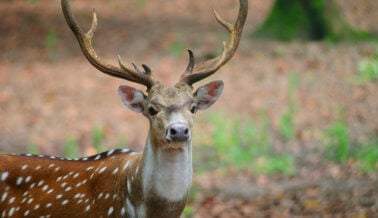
(171, 97)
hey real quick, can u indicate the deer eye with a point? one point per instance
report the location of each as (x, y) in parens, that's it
(152, 111)
(193, 109)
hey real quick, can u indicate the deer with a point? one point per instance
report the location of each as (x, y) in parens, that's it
(122, 182)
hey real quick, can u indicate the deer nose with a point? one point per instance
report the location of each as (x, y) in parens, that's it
(178, 132)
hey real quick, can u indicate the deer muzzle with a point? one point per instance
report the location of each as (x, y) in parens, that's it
(178, 132)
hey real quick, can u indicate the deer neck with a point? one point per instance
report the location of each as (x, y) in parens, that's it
(167, 173)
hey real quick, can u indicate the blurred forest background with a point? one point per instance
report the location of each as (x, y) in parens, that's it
(294, 134)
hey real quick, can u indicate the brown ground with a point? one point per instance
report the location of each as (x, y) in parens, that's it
(48, 92)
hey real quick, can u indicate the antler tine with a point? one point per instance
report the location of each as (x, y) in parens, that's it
(207, 68)
(85, 42)
(189, 68)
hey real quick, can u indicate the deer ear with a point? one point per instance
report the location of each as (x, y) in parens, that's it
(132, 98)
(208, 94)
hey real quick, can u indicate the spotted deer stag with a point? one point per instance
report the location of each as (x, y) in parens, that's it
(122, 183)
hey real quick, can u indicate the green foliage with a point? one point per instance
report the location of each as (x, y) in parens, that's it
(71, 148)
(121, 143)
(368, 69)
(246, 146)
(367, 157)
(176, 48)
(337, 142)
(98, 137)
(231, 148)
(293, 84)
(140, 3)
(51, 44)
(193, 194)
(269, 164)
(188, 211)
(32, 149)
(32, 1)
(339, 148)
(286, 123)
(71, 145)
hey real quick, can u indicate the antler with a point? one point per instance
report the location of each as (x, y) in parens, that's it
(85, 41)
(207, 68)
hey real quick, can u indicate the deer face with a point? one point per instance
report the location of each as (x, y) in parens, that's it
(171, 109)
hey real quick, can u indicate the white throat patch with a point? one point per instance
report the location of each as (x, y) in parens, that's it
(169, 175)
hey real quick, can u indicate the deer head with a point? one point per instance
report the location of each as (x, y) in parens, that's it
(169, 109)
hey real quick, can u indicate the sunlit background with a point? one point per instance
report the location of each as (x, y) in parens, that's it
(295, 131)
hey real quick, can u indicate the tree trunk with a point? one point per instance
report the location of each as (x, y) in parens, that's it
(306, 19)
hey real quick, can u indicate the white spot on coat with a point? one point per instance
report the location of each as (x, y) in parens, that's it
(126, 165)
(11, 211)
(110, 211)
(110, 152)
(4, 176)
(123, 211)
(100, 195)
(128, 187)
(130, 208)
(11, 200)
(27, 179)
(19, 180)
(45, 187)
(102, 170)
(24, 167)
(68, 188)
(63, 184)
(115, 171)
(137, 169)
(59, 178)
(4, 196)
